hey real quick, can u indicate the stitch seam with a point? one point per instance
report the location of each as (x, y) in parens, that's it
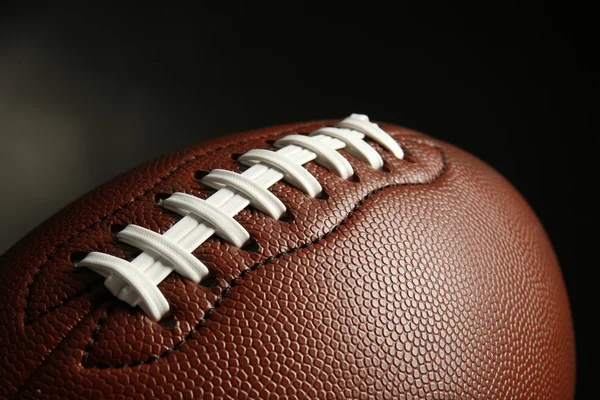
(90, 344)
(254, 267)
(57, 248)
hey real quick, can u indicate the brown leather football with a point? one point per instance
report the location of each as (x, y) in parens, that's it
(329, 259)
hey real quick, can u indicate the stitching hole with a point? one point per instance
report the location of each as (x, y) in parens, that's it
(210, 281)
(168, 321)
(159, 197)
(323, 195)
(251, 246)
(77, 256)
(354, 178)
(116, 228)
(199, 174)
(386, 168)
(287, 217)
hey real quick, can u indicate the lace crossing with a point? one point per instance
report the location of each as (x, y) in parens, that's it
(136, 282)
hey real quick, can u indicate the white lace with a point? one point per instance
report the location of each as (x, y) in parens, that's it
(136, 282)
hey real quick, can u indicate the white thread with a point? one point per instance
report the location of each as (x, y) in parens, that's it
(136, 282)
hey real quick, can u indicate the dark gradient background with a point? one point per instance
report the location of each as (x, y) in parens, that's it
(88, 93)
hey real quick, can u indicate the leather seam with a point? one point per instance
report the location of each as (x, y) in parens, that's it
(232, 284)
(28, 321)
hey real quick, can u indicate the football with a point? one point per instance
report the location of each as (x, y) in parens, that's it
(328, 259)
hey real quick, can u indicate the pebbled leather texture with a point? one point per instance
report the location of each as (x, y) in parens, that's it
(431, 279)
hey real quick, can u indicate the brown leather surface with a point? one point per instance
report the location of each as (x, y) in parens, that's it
(431, 279)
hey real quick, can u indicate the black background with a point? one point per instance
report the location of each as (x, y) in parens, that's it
(88, 93)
